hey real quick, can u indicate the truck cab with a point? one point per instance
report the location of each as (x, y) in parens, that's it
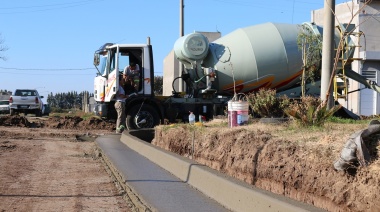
(110, 61)
(145, 110)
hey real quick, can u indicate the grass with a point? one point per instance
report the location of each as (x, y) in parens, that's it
(334, 129)
(334, 119)
(74, 113)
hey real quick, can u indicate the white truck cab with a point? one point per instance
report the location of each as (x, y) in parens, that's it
(110, 61)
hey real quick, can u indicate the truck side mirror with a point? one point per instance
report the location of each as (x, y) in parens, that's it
(96, 59)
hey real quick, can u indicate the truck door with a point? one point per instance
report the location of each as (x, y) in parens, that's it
(131, 56)
(112, 83)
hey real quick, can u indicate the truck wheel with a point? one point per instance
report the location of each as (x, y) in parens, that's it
(12, 112)
(146, 117)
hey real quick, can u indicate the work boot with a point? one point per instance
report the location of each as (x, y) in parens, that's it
(122, 128)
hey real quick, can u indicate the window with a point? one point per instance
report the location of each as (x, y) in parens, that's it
(5, 102)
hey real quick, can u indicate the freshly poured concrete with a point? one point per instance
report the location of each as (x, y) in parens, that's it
(165, 181)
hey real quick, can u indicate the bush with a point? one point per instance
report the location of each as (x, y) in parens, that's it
(265, 103)
(310, 111)
(58, 110)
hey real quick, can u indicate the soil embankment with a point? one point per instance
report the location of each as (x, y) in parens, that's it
(284, 160)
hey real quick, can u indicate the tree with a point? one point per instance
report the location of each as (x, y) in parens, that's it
(318, 112)
(69, 100)
(345, 34)
(158, 85)
(3, 48)
(311, 46)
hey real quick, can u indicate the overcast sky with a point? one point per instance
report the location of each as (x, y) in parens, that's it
(51, 42)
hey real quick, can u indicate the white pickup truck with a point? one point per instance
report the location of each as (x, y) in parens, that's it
(26, 101)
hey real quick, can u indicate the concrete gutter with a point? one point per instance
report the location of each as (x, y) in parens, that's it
(233, 194)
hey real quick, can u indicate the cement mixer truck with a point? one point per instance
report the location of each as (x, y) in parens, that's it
(247, 59)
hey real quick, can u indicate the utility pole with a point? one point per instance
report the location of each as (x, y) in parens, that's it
(328, 52)
(181, 33)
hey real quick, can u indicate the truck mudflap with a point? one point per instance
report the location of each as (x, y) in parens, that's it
(101, 110)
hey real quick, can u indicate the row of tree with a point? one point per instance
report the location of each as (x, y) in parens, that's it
(69, 100)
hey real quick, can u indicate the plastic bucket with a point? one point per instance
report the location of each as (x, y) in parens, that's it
(232, 119)
(237, 113)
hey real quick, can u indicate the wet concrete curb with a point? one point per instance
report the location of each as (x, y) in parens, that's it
(229, 192)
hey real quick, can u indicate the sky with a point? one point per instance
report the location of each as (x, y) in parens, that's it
(51, 42)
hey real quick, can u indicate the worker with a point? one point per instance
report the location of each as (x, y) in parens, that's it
(120, 106)
(129, 85)
(133, 70)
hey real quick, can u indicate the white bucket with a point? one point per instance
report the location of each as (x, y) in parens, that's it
(237, 113)
(232, 118)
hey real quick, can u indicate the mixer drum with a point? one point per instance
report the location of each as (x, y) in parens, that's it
(265, 55)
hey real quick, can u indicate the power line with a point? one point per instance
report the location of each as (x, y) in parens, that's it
(45, 7)
(60, 74)
(47, 69)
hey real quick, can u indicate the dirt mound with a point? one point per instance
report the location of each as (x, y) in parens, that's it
(295, 163)
(56, 122)
(17, 121)
(76, 122)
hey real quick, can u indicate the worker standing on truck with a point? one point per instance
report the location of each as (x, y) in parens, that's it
(133, 71)
(120, 106)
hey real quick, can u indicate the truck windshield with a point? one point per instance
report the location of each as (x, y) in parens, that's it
(102, 65)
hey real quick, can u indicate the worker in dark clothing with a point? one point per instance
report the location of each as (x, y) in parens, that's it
(129, 84)
(133, 71)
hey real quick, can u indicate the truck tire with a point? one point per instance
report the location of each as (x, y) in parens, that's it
(142, 116)
(11, 112)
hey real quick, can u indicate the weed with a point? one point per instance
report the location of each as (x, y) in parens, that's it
(265, 103)
(310, 111)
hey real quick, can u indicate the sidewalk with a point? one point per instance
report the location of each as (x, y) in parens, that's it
(156, 188)
(167, 182)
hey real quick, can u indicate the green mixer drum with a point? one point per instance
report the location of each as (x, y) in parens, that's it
(265, 55)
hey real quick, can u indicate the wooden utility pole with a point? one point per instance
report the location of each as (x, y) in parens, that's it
(181, 33)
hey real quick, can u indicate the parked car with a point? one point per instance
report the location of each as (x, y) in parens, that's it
(26, 101)
(4, 106)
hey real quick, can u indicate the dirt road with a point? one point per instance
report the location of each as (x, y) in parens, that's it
(54, 169)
